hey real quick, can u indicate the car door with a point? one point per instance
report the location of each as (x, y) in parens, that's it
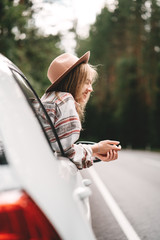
(54, 184)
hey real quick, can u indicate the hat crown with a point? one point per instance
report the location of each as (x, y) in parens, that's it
(63, 64)
(60, 65)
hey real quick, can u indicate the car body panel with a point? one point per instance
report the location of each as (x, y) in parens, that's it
(54, 184)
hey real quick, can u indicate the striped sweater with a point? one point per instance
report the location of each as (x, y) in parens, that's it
(63, 114)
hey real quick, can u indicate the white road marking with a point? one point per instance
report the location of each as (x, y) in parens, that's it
(116, 211)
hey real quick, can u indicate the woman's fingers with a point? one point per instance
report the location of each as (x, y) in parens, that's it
(103, 147)
(107, 145)
(113, 142)
(115, 153)
(114, 147)
(109, 156)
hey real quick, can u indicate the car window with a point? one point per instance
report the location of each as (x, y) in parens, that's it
(36, 105)
(29, 95)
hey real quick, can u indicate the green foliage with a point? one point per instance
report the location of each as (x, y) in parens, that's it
(155, 113)
(131, 110)
(22, 43)
(126, 42)
(12, 25)
(39, 52)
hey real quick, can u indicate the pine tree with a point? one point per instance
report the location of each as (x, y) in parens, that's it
(22, 43)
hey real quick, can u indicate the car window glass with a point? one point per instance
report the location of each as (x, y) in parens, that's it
(37, 107)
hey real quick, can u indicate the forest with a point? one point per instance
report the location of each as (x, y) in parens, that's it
(125, 48)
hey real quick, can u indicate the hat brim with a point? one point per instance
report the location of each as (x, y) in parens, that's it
(84, 58)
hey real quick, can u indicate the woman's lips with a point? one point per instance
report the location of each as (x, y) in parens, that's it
(85, 94)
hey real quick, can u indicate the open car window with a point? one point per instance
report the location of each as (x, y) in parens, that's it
(28, 94)
(36, 105)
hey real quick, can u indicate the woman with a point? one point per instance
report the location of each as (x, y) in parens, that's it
(65, 100)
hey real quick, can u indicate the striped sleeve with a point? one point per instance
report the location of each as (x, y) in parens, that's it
(64, 116)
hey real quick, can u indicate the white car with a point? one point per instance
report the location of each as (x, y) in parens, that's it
(41, 197)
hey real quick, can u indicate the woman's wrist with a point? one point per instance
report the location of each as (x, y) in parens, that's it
(96, 148)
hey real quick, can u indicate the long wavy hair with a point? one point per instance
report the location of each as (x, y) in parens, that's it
(74, 82)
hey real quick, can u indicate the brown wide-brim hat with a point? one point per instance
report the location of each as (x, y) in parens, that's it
(62, 65)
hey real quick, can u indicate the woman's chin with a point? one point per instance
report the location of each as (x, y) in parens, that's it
(83, 101)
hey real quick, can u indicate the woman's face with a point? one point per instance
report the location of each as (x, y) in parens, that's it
(84, 92)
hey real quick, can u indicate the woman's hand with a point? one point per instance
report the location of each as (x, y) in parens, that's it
(109, 156)
(106, 150)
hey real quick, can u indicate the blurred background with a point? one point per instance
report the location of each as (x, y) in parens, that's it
(124, 39)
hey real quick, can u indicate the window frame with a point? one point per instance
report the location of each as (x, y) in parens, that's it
(16, 71)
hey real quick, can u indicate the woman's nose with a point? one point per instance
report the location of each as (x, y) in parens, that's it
(90, 88)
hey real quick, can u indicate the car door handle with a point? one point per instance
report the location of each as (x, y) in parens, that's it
(83, 192)
(86, 182)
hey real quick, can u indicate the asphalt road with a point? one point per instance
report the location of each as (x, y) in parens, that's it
(134, 183)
